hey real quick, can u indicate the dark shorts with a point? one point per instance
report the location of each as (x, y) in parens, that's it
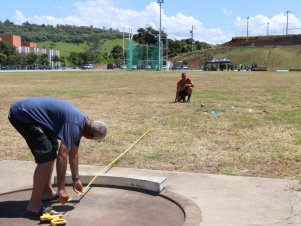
(183, 93)
(42, 143)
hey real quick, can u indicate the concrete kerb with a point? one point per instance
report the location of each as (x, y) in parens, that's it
(151, 184)
(22, 181)
(148, 184)
(191, 211)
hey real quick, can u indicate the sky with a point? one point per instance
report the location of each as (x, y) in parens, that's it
(214, 22)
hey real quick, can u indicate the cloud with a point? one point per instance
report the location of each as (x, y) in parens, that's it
(263, 25)
(104, 13)
(19, 17)
(227, 12)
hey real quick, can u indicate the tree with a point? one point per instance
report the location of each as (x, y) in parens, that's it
(75, 59)
(7, 48)
(31, 58)
(56, 59)
(89, 57)
(43, 59)
(63, 60)
(146, 35)
(8, 22)
(3, 58)
(202, 45)
(117, 54)
(12, 56)
(93, 41)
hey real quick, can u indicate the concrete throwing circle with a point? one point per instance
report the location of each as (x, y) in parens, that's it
(100, 206)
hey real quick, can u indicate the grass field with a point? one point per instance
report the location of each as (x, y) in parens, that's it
(257, 131)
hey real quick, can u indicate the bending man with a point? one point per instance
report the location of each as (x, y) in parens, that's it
(42, 121)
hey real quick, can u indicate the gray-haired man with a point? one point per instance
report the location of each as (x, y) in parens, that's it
(42, 121)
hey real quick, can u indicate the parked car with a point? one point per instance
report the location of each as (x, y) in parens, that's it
(123, 66)
(134, 67)
(148, 67)
(110, 66)
(87, 66)
(176, 67)
(184, 67)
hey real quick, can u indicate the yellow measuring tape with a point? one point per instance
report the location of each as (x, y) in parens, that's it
(107, 168)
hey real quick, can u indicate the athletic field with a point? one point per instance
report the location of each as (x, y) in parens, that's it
(237, 123)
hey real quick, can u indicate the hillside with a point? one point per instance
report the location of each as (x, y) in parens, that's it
(59, 33)
(260, 41)
(275, 52)
(67, 48)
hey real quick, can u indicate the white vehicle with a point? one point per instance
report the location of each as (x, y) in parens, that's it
(122, 66)
(87, 66)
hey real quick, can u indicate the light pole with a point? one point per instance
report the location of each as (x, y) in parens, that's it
(191, 38)
(268, 28)
(123, 47)
(287, 12)
(159, 47)
(166, 44)
(248, 26)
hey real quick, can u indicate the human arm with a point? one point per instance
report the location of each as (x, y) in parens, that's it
(61, 167)
(73, 161)
(189, 83)
(177, 91)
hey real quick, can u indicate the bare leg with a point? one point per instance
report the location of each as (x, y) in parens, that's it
(40, 181)
(189, 92)
(177, 99)
(48, 191)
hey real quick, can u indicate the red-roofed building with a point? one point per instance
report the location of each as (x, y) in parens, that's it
(12, 39)
(29, 47)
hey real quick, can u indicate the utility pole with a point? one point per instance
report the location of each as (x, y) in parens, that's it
(191, 38)
(268, 28)
(287, 12)
(166, 49)
(248, 26)
(166, 43)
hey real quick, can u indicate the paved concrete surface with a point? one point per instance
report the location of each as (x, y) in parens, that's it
(100, 206)
(223, 200)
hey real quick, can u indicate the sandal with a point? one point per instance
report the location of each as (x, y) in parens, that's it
(33, 215)
(54, 198)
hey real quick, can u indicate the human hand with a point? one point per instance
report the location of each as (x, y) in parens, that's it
(63, 196)
(78, 186)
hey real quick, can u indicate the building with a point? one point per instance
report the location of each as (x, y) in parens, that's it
(12, 39)
(29, 47)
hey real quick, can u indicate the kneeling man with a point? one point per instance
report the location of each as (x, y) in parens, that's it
(184, 88)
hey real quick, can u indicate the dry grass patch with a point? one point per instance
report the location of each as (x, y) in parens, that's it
(256, 131)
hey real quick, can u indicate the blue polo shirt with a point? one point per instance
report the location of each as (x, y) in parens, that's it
(60, 117)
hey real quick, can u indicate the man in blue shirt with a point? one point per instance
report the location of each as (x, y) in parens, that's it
(42, 121)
